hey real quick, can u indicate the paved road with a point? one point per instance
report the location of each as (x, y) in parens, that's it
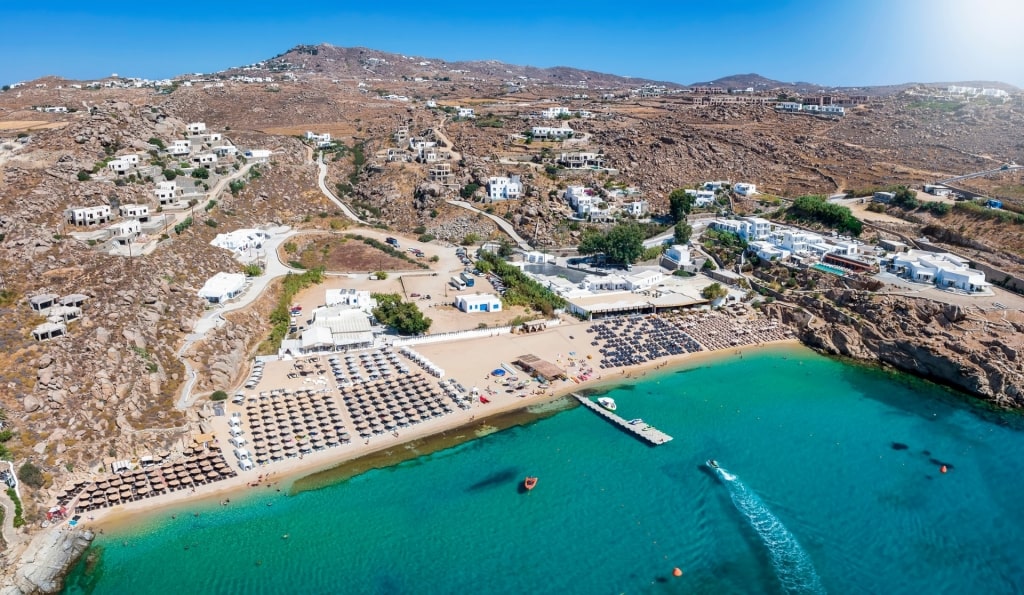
(503, 224)
(982, 173)
(664, 237)
(321, 177)
(214, 318)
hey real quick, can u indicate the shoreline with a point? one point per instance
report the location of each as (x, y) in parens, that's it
(285, 474)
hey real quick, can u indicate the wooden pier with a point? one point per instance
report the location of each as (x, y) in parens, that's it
(641, 430)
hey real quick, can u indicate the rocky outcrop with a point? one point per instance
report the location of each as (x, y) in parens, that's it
(940, 342)
(44, 563)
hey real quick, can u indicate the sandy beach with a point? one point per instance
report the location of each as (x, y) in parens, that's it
(469, 361)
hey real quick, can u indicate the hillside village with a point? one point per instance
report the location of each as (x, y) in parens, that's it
(178, 251)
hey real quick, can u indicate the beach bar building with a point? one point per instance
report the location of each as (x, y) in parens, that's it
(534, 366)
(482, 302)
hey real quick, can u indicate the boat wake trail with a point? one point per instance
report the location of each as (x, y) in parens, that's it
(792, 565)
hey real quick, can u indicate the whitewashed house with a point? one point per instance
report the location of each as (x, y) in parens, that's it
(636, 208)
(767, 250)
(745, 189)
(204, 159)
(222, 287)
(943, 269)
(140, 212)
(167, 192)
(679, 256)
(552, 133)
(88, 216)
(121, 166)
(180, 148)
(480, 302)
(125, 231)
(353, 298)
(552, 113)
(320, 140)
(241, 240)
(258, 155)
(465, 112)
(703, 198)
(196, 128)
(504, 188)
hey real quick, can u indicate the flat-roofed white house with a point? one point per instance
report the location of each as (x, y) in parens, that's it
(167, 192)
(478, 302)
(353, 298)
(550, 132)
(537, 257)
(767, 250)
(204, 159)
(222, 287)
(504, 188)
(703, 198)
(180, 147)
(124, 232)
(554, 112)
(88, 216)
(745, 189)
(835, 110)
(465, 112)
(320, 140)
(240, 240)
(643, 280)
(636, 208)
(259, 155)
(120, 166)
(941, 268)
(196, 128)
(140, 212)
(679, 255)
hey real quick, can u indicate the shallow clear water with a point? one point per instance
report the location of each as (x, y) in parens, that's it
(838, 488)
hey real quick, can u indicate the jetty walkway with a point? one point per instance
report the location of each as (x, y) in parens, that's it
(641, 430)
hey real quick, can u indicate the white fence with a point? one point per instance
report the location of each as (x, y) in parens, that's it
(459, 335)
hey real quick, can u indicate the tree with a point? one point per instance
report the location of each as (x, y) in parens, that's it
(404, 317)
(31, 475)
(625, 243)
(218, 395)
(84, 176)
(713, 292)
(591, 242)
(201, 173)
(505, 248)
(679, 204)
(682, 232)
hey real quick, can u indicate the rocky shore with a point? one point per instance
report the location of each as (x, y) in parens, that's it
(46, 560)
(949, 344)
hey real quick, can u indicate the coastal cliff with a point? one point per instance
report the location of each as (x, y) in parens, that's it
(42, 566)
(967, 349)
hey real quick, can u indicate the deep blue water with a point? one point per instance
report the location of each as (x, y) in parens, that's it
(836, 486)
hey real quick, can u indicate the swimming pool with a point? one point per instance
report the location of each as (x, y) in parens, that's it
(829, 269)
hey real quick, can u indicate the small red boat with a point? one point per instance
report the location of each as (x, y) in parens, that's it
(529, 483)
(484, 399)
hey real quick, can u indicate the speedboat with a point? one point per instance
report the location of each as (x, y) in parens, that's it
(636, 421)
(712, 463)
(529, 483)
(608, 403)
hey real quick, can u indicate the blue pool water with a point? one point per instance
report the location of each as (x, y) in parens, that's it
(835, 487)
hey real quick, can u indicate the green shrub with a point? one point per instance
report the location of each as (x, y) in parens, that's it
(218, 395)
(84, 176)
(31, 475)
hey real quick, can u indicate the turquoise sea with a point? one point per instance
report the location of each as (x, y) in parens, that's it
(830, 481)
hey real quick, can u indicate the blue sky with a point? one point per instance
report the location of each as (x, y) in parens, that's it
(826, 42)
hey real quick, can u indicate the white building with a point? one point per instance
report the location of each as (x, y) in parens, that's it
(644, 280)
(180, 148)
(679, 255)
(703, 198)
(479, 302)
(167, 192)
(320, 140)
(767, 250)
(636, 208)
(348, 327)
(353, 298)
(537, 257)
(800, 242)
(554, 112)
(835, 110)
(241, 240)
(88, 215)
(196, 128)
(464, 112)
(716, 185)
(222, 287)
(943, 269)
(140, 212)
(125, 231)
(745, 189)
(204, 159)
(122, 165)
(258, 155)
(549, 132)
(504, 188)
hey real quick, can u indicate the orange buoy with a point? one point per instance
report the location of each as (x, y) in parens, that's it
(943, 469)
(677, 572)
